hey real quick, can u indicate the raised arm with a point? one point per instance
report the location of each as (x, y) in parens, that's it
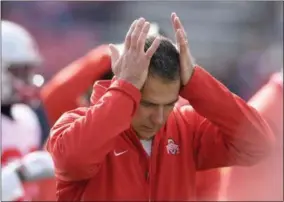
(82, 138)
(227, 130)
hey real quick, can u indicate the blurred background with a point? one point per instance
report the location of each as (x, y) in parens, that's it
(240, 43)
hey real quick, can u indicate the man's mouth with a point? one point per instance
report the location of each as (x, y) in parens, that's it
(148, 129)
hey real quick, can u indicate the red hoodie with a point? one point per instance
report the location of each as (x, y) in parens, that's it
(99, 157)
(75, 79)
(263, 181)
(208, 182)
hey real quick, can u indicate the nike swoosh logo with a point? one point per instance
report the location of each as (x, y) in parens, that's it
(119, 153)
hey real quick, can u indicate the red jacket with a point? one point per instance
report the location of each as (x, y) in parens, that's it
(208, 182)
(61, 94)
(85, 143)
(263, 181)
(79, 76)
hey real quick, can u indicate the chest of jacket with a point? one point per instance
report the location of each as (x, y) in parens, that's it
(128, 173)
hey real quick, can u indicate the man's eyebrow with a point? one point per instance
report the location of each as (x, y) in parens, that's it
(173, 102)
(152, 103)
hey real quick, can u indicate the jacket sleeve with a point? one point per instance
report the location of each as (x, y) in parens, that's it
(227, 131)
(81, 139)
(73, 81)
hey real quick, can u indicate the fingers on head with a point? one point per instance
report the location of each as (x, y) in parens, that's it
(181, 38)
(152, 49)
(182, 41)
(136, 33)
(114, 51)
(173, 16)
(176, 22)
(143, 36)
(114, 54)
(129, 33)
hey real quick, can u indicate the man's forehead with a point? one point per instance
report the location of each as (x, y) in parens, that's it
(159, 101)
(156, 92)
(157, 85)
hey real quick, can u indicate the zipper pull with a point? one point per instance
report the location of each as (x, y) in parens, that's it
(147, 175)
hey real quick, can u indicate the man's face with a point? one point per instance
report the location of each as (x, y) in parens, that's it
(22, 83)
(158, 99)
(22, 72)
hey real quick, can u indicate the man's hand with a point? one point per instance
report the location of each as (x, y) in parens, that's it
(186, 60)
(132, 66)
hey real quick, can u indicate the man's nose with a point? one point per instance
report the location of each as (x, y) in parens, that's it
(158, 115)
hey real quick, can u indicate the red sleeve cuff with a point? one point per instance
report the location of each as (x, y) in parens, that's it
(127, 88)
(197, 75)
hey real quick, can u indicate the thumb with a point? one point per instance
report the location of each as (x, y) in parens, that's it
(114, 53)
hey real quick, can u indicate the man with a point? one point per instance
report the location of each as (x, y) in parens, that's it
(132, 144)
(21, 129)
(20, 59)
(75, 80)
(263, 182)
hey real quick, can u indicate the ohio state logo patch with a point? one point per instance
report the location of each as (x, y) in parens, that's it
(172, 147)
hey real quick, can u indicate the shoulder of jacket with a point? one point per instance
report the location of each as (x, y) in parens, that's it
(70, 116)
(183, 115)
(184, 110)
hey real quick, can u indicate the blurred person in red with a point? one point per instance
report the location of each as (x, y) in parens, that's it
(90, 154)
(21, 129)
(264, 181)
(76, 79)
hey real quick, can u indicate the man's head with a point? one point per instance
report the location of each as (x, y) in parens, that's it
(160, 91)
(20, 57)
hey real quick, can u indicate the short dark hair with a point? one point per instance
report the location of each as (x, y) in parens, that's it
(165, 61)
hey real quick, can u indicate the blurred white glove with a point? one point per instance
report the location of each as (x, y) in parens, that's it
(12, 188)
(36, 165)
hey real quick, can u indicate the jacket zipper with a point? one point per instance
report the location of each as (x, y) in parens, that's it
(149, 180)
(152, 163)
(149, 172)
